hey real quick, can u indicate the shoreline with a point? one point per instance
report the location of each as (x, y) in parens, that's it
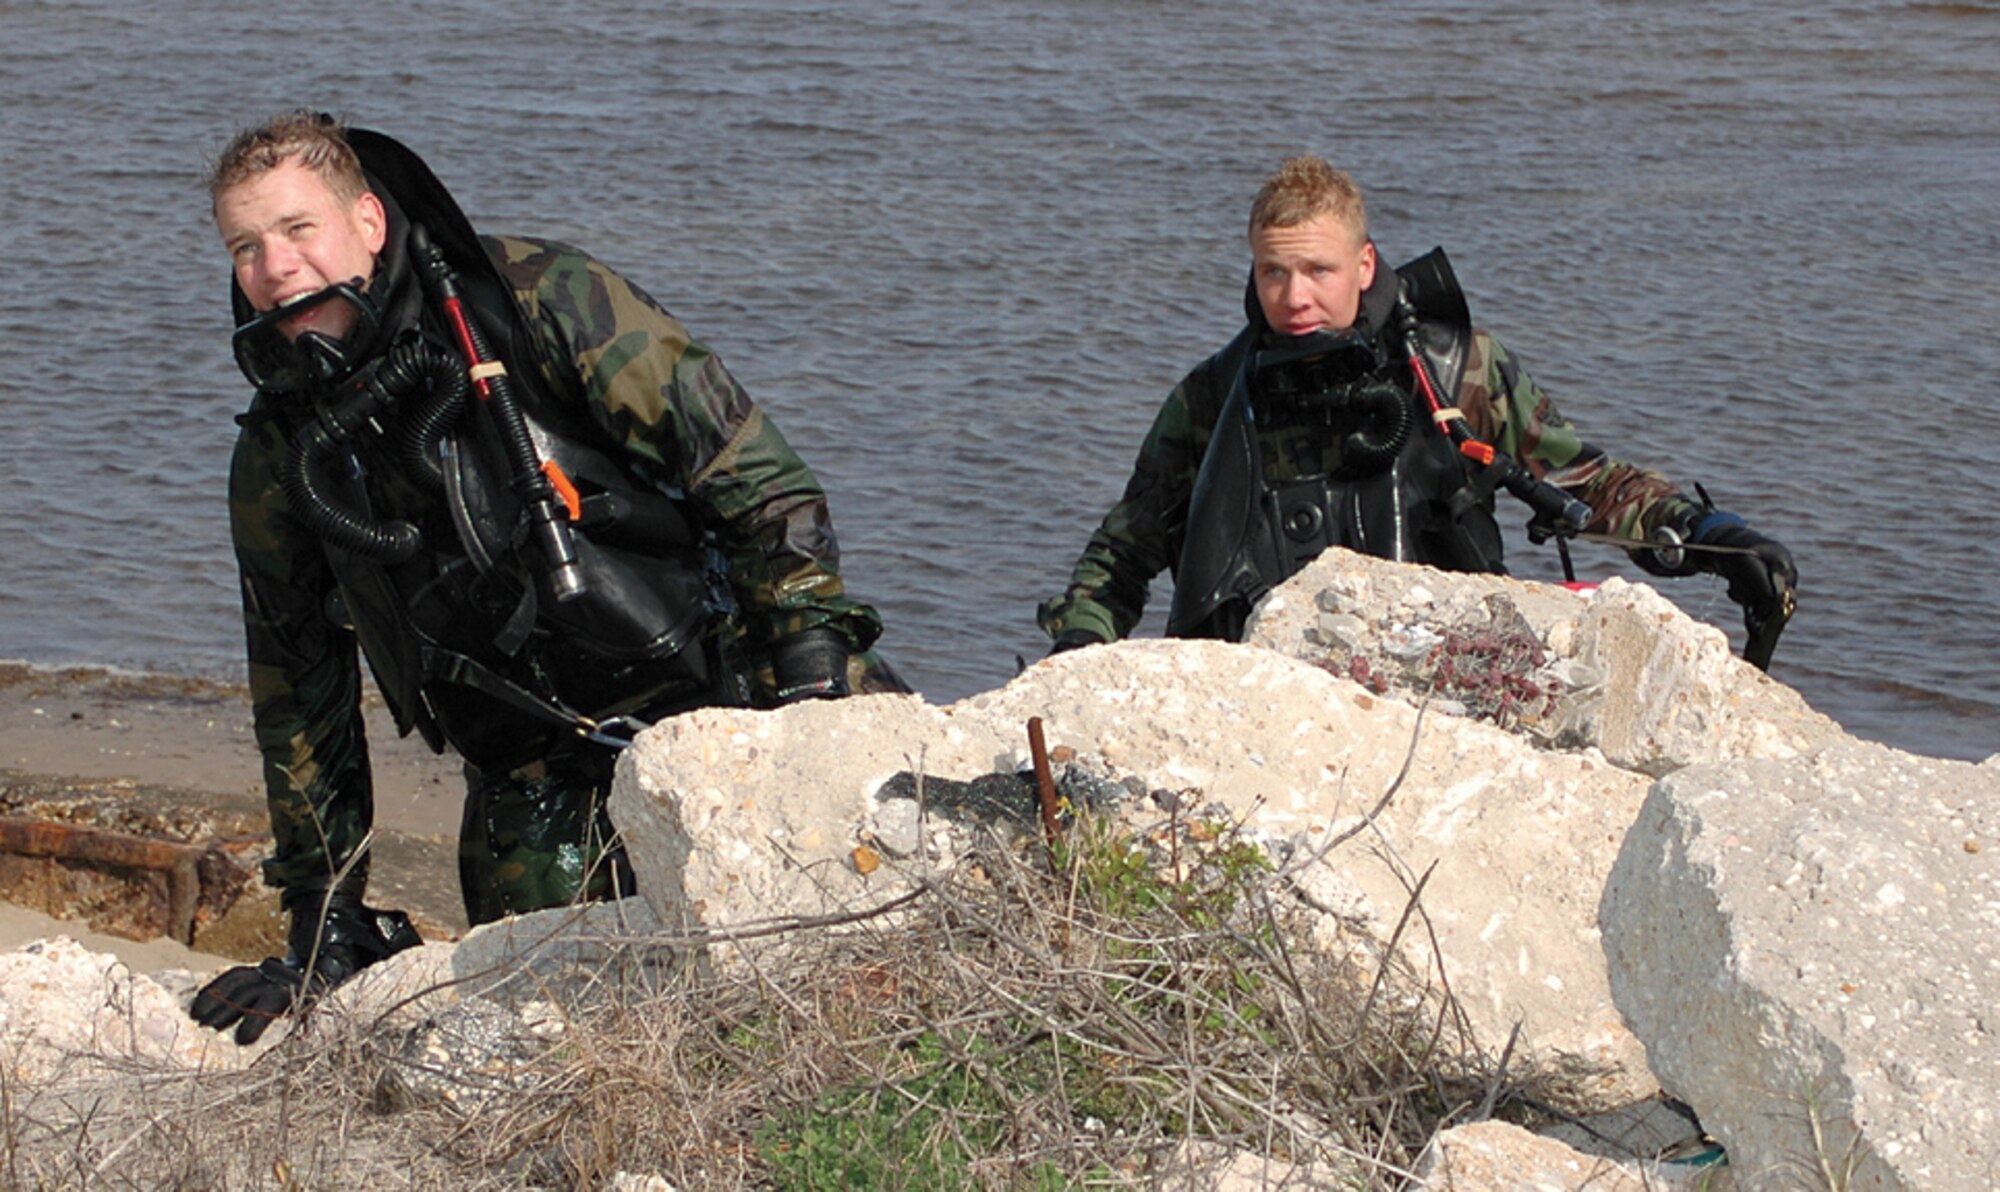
(95, 723)
(93, 732)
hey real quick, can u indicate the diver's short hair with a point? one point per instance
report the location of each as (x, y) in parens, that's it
(1304, 188)
(315, 140)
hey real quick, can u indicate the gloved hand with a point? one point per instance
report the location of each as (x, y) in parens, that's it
(1761, 575)
(1073, 639)
(810, 665)
(318, 957)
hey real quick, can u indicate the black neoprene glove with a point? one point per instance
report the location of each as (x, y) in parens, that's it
(810, 665)
(1762, 578)
(1760, 571)
(319, 955)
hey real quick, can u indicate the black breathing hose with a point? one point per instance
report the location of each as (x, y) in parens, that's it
(1386, 421)
(410, 367)
(318, 440)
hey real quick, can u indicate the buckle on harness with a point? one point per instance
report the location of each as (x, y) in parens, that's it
(615, 733)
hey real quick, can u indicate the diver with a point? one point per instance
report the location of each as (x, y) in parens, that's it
(544, 513)
(1361, 408)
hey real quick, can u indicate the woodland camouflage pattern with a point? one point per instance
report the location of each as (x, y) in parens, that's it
(1142, 534)
(685, 426)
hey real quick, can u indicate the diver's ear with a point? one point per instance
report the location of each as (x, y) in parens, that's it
(1367, 271)
(374, 221)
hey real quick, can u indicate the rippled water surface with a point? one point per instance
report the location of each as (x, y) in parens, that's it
(962, 251)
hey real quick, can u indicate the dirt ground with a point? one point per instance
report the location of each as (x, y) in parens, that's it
(109, 735)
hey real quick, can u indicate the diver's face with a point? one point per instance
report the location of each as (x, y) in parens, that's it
(1310, 275)
(288, 235)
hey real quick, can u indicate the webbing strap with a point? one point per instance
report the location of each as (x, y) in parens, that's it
(453, 667)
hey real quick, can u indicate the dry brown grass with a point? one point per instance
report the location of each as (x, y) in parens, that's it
(1032, 1019)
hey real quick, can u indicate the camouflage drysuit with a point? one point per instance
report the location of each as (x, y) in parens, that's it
(1146, 530)
(630, 376)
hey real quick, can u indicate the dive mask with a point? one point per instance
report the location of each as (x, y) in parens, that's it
(1334, 383)
(271, 358)
(1318, 362)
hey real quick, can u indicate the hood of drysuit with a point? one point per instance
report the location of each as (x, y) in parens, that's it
(391, 291)
(1335, 379)
(399, 172)
(1230, 553)
(1378, 306)
(409, 190)
(1444, 325)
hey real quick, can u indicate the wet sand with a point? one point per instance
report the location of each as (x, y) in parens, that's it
(88, 732)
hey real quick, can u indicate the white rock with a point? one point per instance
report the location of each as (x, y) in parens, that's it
(1815, 939)
(1498, 1157)
(1520, 839)
(68, 1011)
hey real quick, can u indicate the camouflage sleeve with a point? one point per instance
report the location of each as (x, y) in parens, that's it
(686, 423)
(1142, 534)
(1504, 406)
(305, 679)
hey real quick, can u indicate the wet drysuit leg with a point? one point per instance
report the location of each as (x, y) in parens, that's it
(538, 836)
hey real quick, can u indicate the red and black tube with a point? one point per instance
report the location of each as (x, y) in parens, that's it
(1557, 513)
(535, 483)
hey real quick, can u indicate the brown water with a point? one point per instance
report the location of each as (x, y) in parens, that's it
(962, 251)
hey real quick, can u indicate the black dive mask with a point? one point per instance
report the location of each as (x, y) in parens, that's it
(1302, 367)
(272, 360)
(1336, 382)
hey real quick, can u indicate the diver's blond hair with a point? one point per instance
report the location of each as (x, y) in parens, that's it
(314, 140)
(1305, 188)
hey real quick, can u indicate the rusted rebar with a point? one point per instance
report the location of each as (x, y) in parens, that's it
(1045, 782)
